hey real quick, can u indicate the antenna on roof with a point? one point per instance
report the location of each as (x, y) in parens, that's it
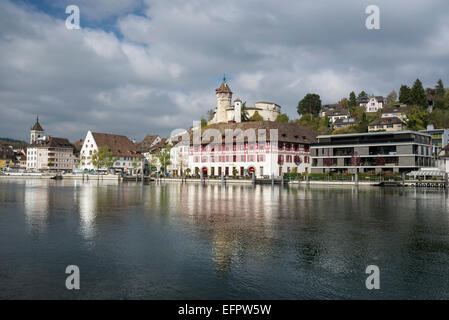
(224, 77)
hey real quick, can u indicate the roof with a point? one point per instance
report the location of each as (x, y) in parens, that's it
(287, 132)
(37, 126)
(372, 134)
(395, 108)
(237, 100)
(146, 143)
(120, 146)
(224, 88)
(344, 121)
(337, 112)
(52, 142)
(159, 146)
(386, 121)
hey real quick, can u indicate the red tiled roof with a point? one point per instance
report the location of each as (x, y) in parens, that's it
(120, 146)
(287, 132)
(224, 88)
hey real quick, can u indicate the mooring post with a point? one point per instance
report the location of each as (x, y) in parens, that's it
(403, 179)
(254, 178)
(446, 180)
(356, 179)
(307, 178)
(272, 179)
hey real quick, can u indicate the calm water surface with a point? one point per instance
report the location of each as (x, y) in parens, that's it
(174, 241)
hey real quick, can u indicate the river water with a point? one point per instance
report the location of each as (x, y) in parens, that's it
(189, 241)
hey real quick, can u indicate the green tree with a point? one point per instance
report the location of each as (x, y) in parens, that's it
(439, 89)
(352, 100)
(102, 158)
(439, 118)
(164, 158)
(404, 94)
(256, 117)
(319, 125)
(203, 122)
(244, 113)
(282, 118)
(362, 94)
(418, 95)
(311, 103)
(417, 118)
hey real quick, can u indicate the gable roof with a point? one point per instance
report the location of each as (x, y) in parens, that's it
(348, 121)
(146, 143)
(120, 146)
(386, 121)
(397, 108)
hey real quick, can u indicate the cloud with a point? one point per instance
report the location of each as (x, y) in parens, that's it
(150, 66)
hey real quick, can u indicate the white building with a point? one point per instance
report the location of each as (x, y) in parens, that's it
(123, 150)
(226, 112)
(279, 148)
(374, 104)
(47, 153)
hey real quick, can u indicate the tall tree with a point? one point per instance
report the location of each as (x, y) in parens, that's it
(311, 103)
(102, 158)
(404, 94)
(439, 89)
(392, 97)
(352, 100)
(362, 94)
(256, 117)
(164, 158)
(418, 95)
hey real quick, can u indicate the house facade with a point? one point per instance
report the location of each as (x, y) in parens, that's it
(386, 124)
(263, 148)
(124, 151)
(374, 104)
(50, 154)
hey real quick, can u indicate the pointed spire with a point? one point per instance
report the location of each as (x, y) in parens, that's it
(224, 88)
(37, 126)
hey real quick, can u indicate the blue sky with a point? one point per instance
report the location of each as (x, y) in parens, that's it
(142, 67)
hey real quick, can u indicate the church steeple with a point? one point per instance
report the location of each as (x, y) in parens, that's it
(36, 131)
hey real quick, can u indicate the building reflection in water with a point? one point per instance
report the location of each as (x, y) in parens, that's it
(36, 205)
(88, 195)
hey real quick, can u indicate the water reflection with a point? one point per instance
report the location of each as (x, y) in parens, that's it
(238, 241)
(36, 204)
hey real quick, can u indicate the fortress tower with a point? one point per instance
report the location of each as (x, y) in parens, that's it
(224, 98)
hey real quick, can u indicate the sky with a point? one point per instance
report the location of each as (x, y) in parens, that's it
(139, 67)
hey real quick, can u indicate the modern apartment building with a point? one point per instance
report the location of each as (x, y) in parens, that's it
(440, 138)
(399, 151)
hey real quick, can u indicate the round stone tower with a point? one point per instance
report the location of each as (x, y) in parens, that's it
(224, 98)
